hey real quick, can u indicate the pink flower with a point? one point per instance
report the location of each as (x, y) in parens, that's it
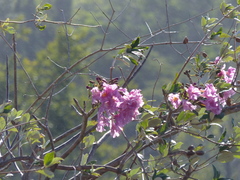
(95, 95)
(210, 91)
(109, 96)
(115, 130)
(228, 94)
(193, 92)
(212, 99)
(227, 75)
(188, 105)
(128, 108)
(213, 105)
(217, 60)
(117, 107)
(230, 74)
(175, 100)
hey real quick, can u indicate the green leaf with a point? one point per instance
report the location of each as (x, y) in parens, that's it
(163, 149)
(137, 53)
(203, 22)
(154, 122)
(218, 32)
(43, 18)
(224, 49)
(222, 86)
(6, 23)
(181, 116)
(237, 133)
(175, 87)
(194, 160)
(185, 116)
(199, 147)
(237, 50)
(228, 59)
(48, 158)
(91, 123)
(56, 160)
(84, 159)
(224, 35)
(222, 136)
(151, 162)
(10, 30)
(88, 140)
(13, 129)
(216, 173)
(166, 87)
(197, 60)
(134, 61)
(163, 128)
(236, 154)
(146, 115)
(46, 173)
(133, 172)
(225, 8)
(33, 136)
(45, 7)
(95, 174)
(211, 20)
(142, 124)
(177, 146)
(2, 123)
(121, 51)
(41, 28)
(225, 156)
(6, 108)
(216, 35)
(238, 2)
(25, 117)
(135, 42)
(161, 174)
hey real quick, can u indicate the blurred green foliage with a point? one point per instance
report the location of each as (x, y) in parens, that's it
(45, 55)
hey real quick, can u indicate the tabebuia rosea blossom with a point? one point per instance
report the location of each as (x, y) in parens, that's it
(175, 100)
(227, 75)
(117, 107)
(212, 100)
(217, 60)
(207, 95)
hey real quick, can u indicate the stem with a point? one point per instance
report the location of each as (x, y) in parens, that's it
(15, 73)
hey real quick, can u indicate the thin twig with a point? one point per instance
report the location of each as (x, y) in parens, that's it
(108, 25)
(15, 72)
(50, 22)
(137, 156)
(83, 130)
(155, 83)
(133, 72)
(46, 128)
(98, 144)
(7, 80)
(19, 62)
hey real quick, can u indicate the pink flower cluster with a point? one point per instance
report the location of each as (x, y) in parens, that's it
(117, 107)
(208, 95)
(227, 75)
